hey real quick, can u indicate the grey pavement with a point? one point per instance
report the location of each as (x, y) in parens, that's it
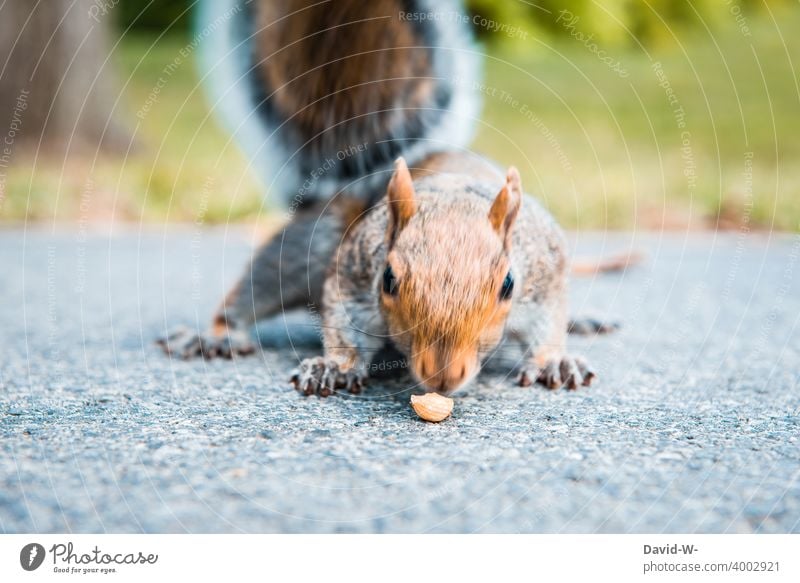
(692, 427)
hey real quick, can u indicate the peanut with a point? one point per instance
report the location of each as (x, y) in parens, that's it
(432, 407)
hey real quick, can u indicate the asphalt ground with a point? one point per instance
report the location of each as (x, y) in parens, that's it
(692, 425)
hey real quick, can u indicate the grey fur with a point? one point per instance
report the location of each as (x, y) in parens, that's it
(290, 269)
(355, 327)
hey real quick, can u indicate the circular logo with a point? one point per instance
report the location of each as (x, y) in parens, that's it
(31, 556)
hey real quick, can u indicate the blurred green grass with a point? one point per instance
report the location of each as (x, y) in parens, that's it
(181, 165)
(622, 142)
(599, 150)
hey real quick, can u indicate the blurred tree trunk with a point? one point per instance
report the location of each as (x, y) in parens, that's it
(54, 78)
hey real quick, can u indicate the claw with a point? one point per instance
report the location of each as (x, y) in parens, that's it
(354, 382)
(186, 343)
(572, 372)
(550, 376)
(324, 377)
(181, 342)
(525, 379)
(586, 371)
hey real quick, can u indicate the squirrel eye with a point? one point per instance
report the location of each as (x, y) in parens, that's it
(508, 287)
(389, 282)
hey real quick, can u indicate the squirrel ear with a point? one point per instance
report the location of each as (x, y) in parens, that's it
(506, 206)
(400, 195)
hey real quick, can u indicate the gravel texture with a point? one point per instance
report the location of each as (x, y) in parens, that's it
(692, 427)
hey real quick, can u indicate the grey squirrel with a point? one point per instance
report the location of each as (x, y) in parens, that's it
(358, 115)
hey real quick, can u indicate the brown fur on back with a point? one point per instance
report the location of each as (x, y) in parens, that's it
(321, 80)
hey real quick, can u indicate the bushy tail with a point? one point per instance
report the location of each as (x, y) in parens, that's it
(325, 95)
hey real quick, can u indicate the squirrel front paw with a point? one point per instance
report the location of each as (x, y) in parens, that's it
(187, 343)
(571, 371)
(324, 376)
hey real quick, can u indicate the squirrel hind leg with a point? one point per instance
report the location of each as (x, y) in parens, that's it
(591, 326)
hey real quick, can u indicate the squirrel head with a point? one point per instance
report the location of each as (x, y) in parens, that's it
(447, 286)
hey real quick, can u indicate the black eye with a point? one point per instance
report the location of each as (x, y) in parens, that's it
(508, 287)
(389, 282)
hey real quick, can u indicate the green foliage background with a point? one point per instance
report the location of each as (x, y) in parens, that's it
(614, 22)
(740, 92)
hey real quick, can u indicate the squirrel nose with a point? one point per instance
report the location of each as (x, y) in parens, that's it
(444, 374)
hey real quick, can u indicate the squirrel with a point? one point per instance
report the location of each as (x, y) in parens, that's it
(357, 115)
